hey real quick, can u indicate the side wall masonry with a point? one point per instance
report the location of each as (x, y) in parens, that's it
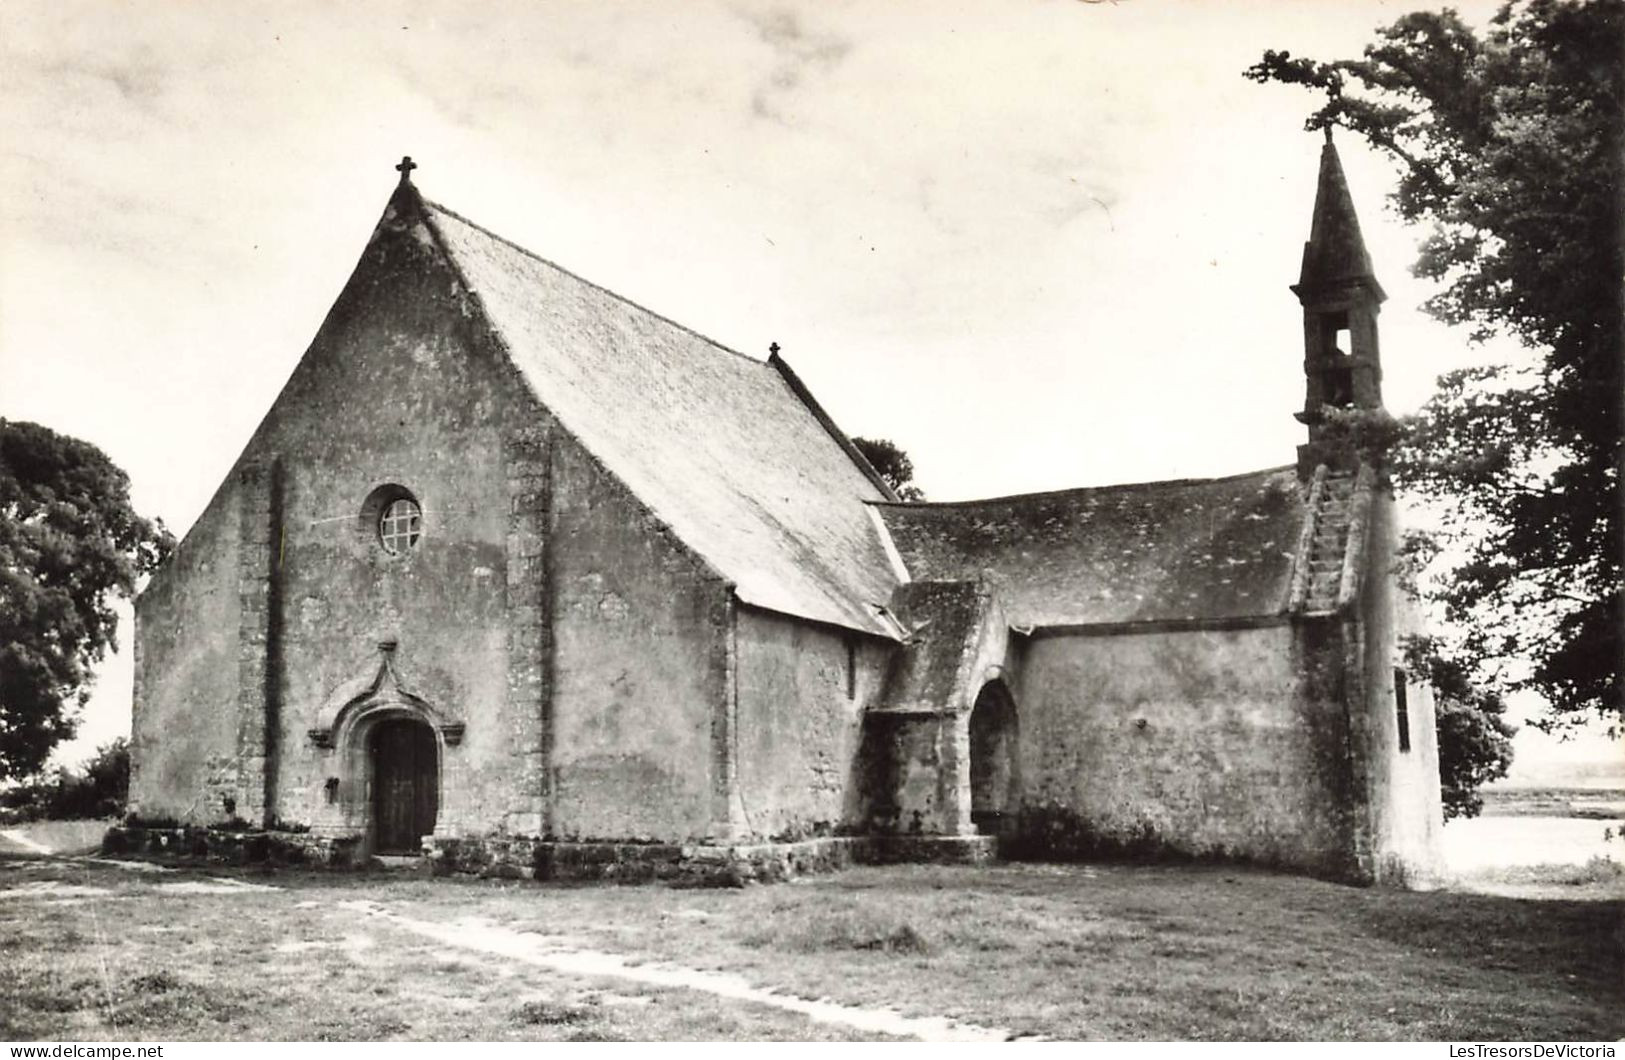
(527, 466)
(1210, 743)
(184, 728)
(798, 728)
(1405, 812)
(641, 647)
(259, 535)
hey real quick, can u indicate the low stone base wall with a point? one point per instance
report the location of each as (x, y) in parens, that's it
(1053, 834)
(683, 865)
(932, 849)
(246, 847)
(695, 865)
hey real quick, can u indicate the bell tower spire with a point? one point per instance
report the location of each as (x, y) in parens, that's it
(1341, 297)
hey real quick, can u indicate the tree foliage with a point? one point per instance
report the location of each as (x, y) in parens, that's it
(69, 543)
(1509, 143)
(1475, 740)
(891, 464)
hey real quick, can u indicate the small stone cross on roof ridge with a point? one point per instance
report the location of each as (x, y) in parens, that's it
(405, 168)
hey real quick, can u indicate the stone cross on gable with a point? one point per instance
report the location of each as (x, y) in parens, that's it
(405, 168)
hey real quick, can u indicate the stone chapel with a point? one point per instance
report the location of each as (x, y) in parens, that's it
(520, 577)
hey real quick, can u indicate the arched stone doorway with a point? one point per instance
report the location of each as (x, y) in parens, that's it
(403, 757)
(386, 770)
(995, 782)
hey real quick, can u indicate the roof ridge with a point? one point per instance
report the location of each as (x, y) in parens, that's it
(1114, 488)
(805, 396)
(761, 520)
(640, 307)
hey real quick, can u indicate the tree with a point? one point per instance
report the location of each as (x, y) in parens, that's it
(891, 464)
(69, 541)
(1509, 144)
(1475, 741)
(98, 788)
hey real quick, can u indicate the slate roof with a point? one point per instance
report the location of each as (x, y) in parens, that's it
(1335, 251)
(1182, 550)
(945, 618)
(718, 445)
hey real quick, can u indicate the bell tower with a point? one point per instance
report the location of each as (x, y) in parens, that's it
(1341, 297)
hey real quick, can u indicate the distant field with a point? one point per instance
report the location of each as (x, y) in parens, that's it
(1479, 846)
(1605, 772)
(1526, 827)
(1595, 803)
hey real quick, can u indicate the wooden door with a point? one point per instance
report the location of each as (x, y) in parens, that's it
(405, 785)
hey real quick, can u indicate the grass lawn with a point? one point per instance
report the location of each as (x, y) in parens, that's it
(1105, 952)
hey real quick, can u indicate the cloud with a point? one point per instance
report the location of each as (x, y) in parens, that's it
(139, 77)
(798, 52)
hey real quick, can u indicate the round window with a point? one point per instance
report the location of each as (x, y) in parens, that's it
(400, 525)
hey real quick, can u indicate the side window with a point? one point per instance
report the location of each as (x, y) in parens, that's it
(1402, 710)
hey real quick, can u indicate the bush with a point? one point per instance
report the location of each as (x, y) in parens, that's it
(98, 788)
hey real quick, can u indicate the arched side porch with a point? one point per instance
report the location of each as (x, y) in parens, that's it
(993, 738)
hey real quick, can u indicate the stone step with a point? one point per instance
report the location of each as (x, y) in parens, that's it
(400, 862)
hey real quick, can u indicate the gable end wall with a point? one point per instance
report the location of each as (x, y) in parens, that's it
(280, 603)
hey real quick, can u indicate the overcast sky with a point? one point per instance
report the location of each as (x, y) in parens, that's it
(1038, 244)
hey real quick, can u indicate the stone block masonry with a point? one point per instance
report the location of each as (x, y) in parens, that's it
(530, 655)
(259, 528)
(511, 857)
(232, 846)
(696, 864)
